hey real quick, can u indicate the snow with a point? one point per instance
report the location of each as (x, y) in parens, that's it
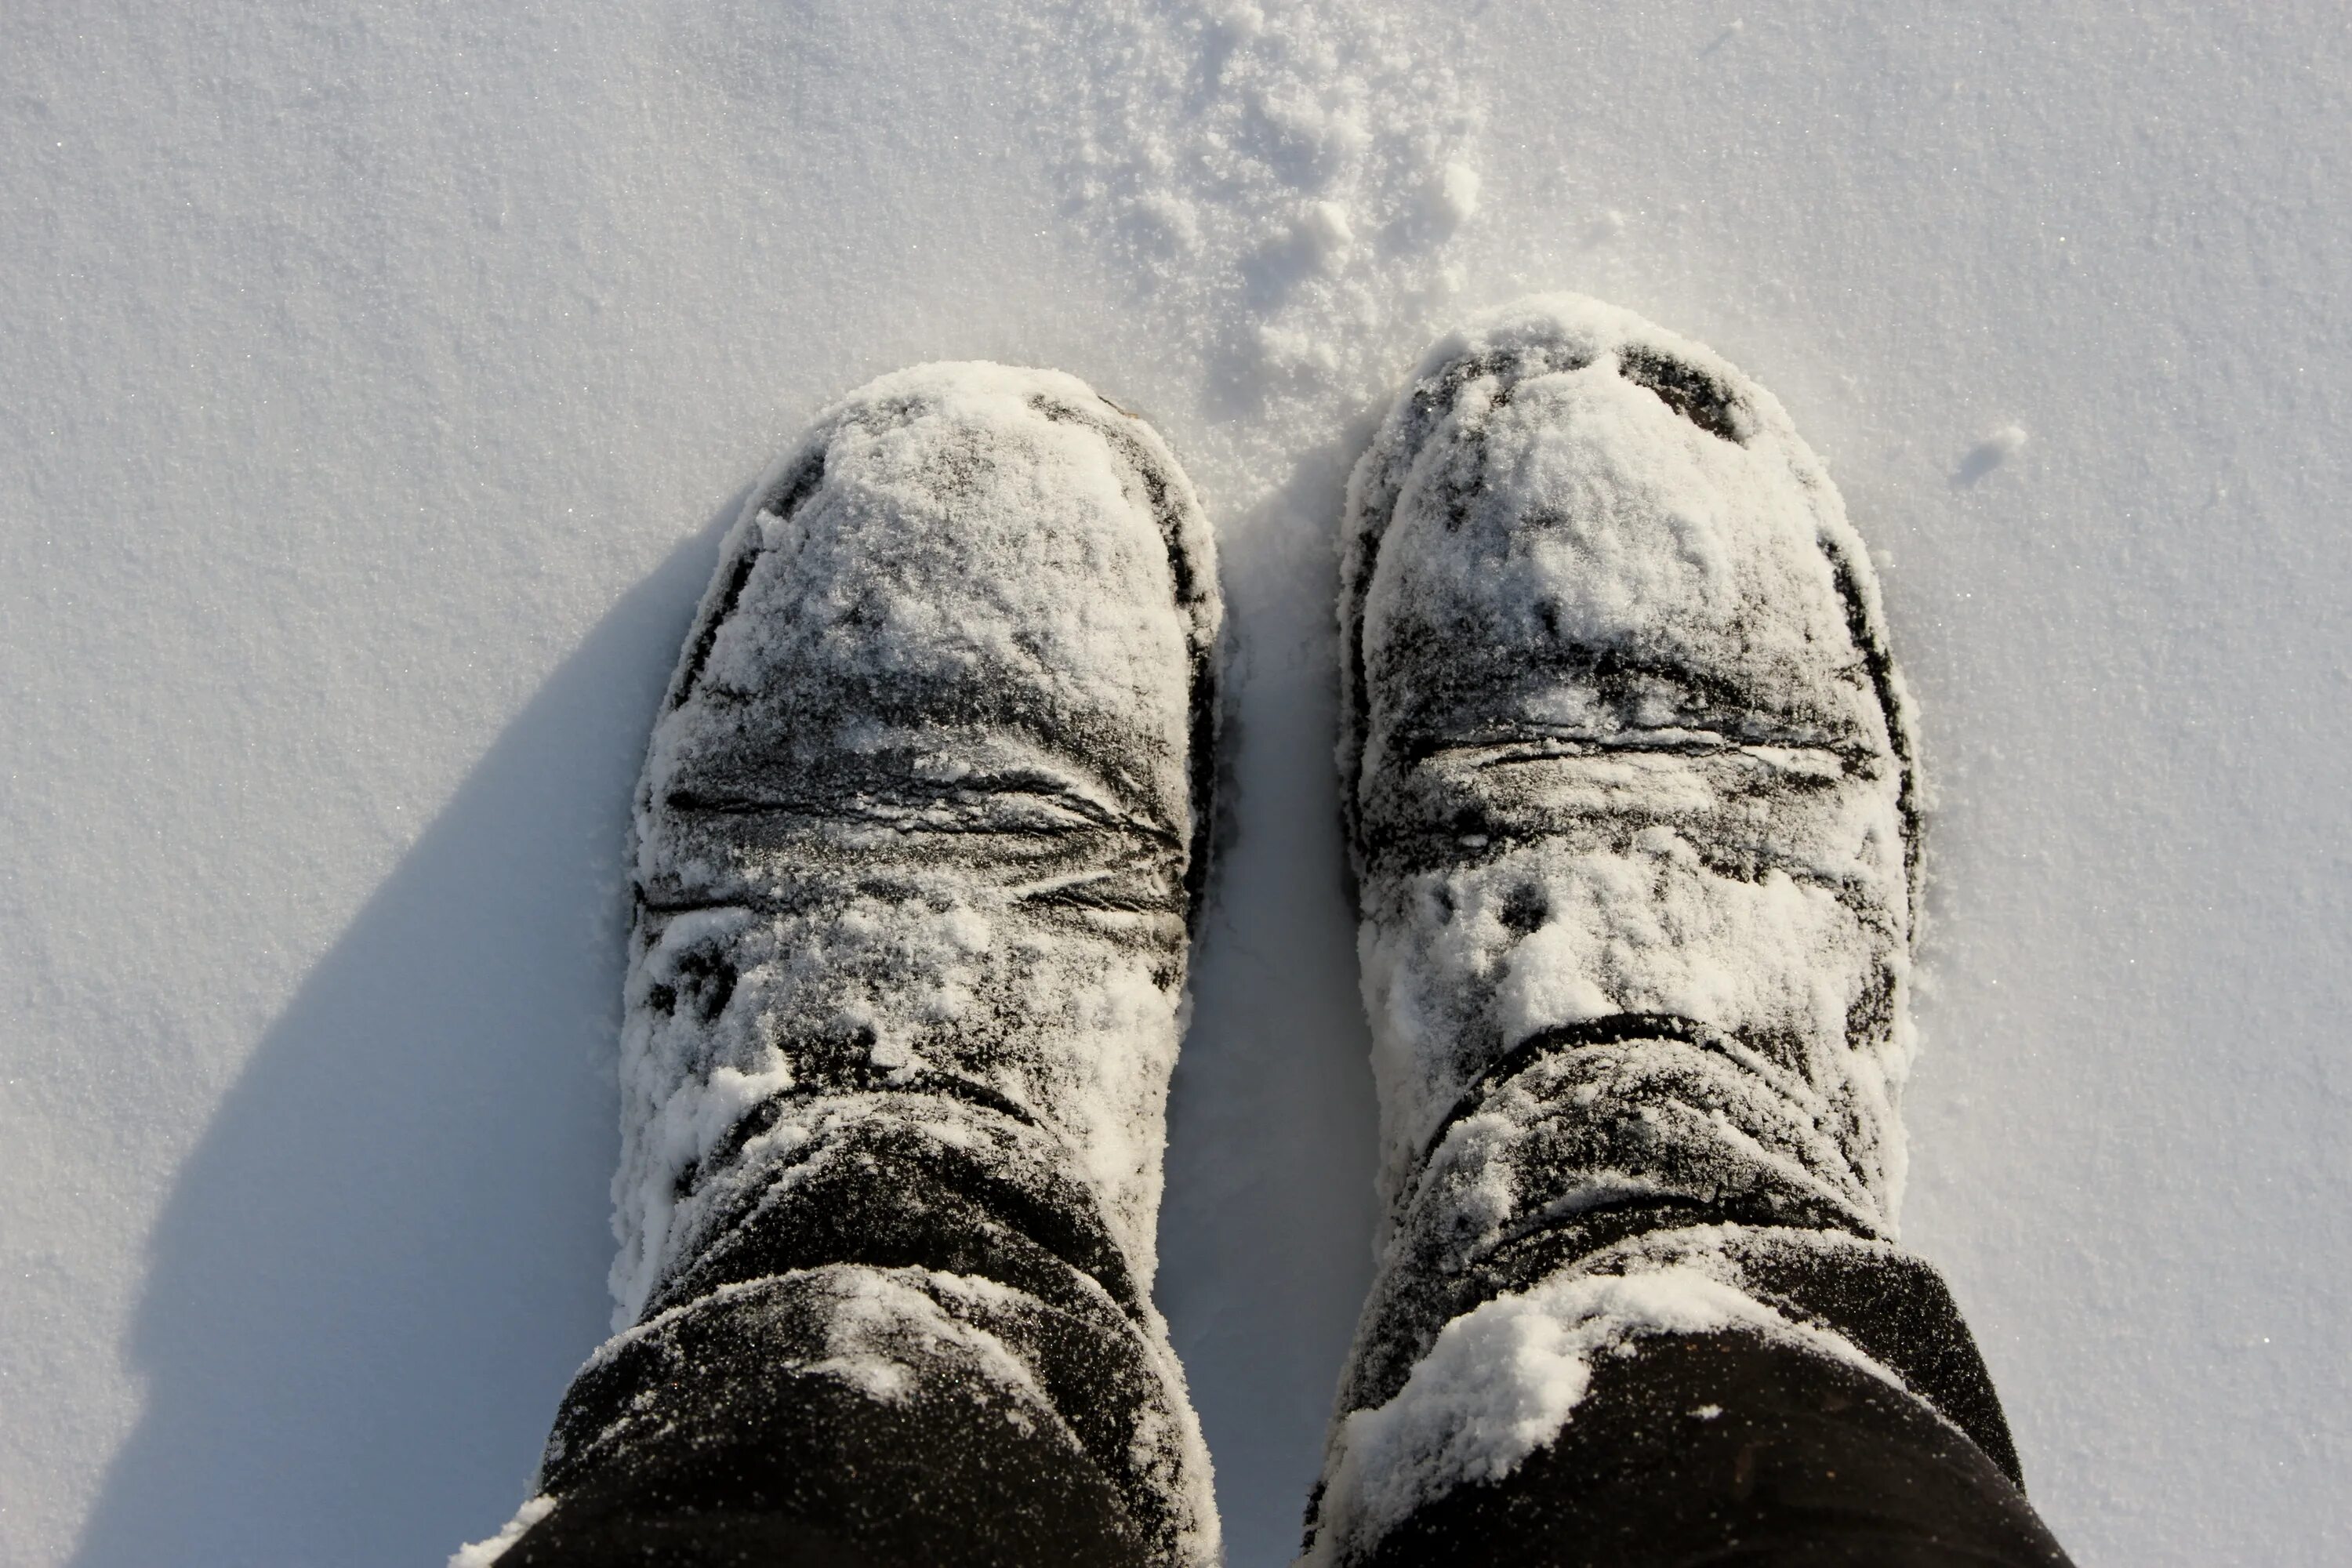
(919, 816)
(378, 379)
(483, 1553)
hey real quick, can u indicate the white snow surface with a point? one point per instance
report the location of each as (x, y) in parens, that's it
(375, 380)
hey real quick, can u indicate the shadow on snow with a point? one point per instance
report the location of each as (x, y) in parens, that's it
(386, 1255)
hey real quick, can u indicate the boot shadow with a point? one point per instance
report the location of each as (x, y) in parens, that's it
(1266, 1228)
(386, 1255)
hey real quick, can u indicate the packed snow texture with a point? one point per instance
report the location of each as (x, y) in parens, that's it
(1288, 222)
(379, 378)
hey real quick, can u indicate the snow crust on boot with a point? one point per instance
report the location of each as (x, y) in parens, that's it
(921, 829)
(1631, 804)
(927, 765)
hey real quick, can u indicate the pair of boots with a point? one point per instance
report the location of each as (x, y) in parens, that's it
(1631, 805)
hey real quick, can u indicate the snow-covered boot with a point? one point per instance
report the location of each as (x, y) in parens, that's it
(1632, 805)
(921, 833)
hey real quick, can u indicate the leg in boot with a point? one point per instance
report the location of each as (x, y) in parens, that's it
(1632, 805)
(918, 840)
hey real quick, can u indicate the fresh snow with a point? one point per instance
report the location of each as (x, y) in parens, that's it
(379, 378)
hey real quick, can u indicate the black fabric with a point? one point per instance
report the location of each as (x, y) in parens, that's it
(1627, 1126)
(882, 1189)
(712, 1442)
(1898, 1311)
(1735, 1448)
(715, 1434)
(1002, 1378)
(1889, 1305)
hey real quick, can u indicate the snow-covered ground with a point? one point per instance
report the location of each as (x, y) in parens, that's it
(374, 377)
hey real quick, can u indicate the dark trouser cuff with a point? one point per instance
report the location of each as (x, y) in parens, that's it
(1735, 1447)
(904, 1337)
